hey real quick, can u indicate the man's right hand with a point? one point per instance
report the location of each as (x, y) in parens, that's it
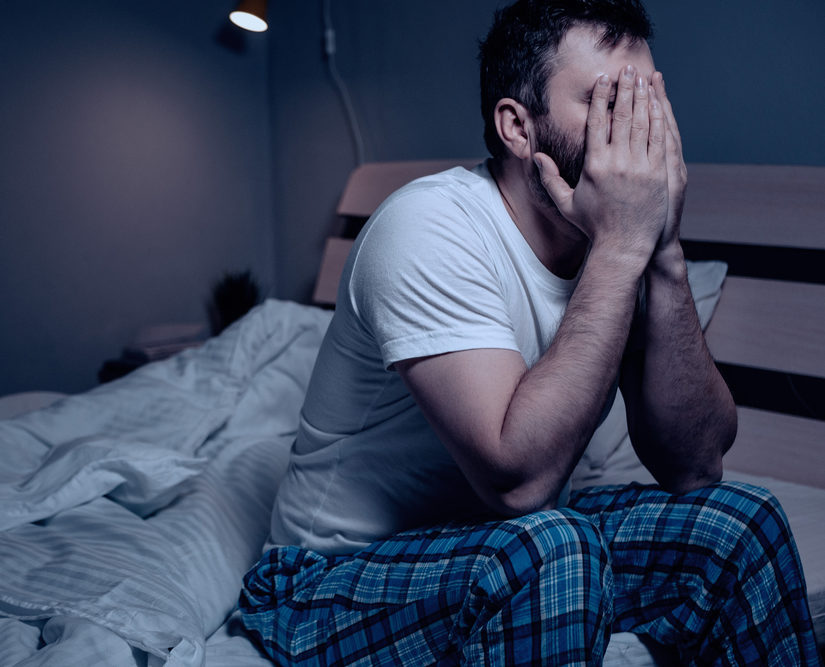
(621, 200)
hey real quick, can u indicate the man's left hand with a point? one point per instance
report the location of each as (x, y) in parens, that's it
(676, 169)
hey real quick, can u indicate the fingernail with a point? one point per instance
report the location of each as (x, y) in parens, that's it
(604, 80)
(640, 83)
(629, 71)
(537, 161)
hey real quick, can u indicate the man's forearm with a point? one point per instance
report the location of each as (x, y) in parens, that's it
(683, 417)
(556, 406)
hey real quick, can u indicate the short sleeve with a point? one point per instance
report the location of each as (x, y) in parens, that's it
(424, 279)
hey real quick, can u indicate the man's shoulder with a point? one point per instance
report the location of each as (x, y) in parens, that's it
(427, 216)
(454, 185)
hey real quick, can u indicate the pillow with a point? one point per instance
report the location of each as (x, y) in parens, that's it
(705, 279)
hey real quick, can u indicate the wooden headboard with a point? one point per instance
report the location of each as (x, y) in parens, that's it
(768, 332)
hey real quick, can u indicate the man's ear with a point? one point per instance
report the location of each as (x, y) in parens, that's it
(514, 126)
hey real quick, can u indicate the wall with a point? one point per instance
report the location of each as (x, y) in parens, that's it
(135, 170)
(743, 76)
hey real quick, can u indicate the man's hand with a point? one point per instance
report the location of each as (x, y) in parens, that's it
(676, 169)
(621, 201)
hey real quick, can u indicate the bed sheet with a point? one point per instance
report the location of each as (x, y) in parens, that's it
(230, 646)
(107, 561)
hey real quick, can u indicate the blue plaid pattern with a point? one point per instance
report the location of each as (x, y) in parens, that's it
(713, 574)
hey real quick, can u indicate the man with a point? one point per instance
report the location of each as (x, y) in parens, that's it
(483, 322)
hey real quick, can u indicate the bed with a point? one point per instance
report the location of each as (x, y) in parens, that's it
(130, 513)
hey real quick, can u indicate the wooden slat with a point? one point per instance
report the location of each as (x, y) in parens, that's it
(756, 204)
(371, 183)
(781, 446)
(770, 324)
(335, 256)
(777, 205)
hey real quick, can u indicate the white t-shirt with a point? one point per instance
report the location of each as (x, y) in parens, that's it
(440, 267)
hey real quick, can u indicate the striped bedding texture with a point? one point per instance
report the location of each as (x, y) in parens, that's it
(129, 514)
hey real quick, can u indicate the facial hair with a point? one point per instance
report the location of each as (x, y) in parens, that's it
(566, 152)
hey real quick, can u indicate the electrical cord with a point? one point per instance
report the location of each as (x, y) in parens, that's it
(338, 82)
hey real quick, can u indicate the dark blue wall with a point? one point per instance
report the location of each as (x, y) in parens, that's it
(135, 169)
(745, 78)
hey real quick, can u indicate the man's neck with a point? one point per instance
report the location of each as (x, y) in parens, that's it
(557, 243)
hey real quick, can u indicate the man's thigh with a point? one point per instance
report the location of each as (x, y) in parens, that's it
(508, 589)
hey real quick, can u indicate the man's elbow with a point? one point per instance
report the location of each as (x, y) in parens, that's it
(730, 428)
(524, 498)
(693, 480)
(689, 467)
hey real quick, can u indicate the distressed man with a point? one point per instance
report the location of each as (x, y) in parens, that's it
(484, 322)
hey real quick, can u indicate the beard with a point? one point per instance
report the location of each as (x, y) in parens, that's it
(566, 152)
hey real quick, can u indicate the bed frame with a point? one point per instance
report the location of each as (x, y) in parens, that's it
(767, 334)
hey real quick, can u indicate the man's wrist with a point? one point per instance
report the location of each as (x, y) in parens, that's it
(625, 259)
(668, 262)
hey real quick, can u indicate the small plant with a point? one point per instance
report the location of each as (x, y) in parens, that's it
(234, 295)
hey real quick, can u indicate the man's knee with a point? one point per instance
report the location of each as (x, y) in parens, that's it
(543, 593)
(746, 527)
(560, 541)
(751, 510)
(561, 534)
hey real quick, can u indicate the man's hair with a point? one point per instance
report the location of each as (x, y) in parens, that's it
(517, 55)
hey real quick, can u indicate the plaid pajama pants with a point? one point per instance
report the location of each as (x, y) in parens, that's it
(713, 574)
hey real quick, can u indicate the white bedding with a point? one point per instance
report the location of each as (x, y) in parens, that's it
(112, 556)
(99, 579)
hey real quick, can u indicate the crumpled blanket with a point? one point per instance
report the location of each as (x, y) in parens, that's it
(130, 513)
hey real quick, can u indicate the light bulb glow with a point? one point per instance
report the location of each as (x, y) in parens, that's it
(248, 21)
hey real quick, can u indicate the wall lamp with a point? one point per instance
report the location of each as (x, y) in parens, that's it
(250, 15)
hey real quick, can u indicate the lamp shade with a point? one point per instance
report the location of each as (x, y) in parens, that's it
(250, 15)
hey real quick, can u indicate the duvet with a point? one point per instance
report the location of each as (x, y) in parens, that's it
(130, 513)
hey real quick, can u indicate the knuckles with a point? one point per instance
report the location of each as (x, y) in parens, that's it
(622, 115)
(596, 121)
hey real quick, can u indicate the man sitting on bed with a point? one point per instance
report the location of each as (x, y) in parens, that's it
(483, 323)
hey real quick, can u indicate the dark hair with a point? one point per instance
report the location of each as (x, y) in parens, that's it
(517, 55)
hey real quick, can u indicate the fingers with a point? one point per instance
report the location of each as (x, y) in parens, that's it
(631, 114)
(675, 157)
(596, 132)
(658, 82)
(623, 108)
(558, 189)
(657, 142)
(640, 126)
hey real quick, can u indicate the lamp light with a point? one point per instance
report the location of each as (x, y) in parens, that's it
(250, 15)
